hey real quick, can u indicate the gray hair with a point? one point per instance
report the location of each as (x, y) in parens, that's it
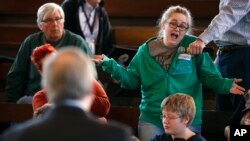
(171, 10)
(46, 10)
(68, 74)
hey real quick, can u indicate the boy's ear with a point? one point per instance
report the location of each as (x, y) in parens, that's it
(186, 120)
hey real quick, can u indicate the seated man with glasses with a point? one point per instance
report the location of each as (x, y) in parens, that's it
(178, 112)
(23, 78)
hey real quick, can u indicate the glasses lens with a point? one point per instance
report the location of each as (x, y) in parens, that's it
(169, 117)
(50, 21)
(181, 27)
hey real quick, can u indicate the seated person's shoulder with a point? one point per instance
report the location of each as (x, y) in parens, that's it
(197, 138)
(162, 137)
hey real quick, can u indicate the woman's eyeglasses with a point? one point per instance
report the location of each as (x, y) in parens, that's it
(174, 25)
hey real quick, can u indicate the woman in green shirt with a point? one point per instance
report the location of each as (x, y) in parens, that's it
(160, 70)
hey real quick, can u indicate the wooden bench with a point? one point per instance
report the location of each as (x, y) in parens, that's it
(121, 8)
(121, 12)
(124, 36)
(213, 124)
(126, 115)
(21, 11)
(212, 128)
(11, 112)
(4, 65)
(12, 36)
(146, 12)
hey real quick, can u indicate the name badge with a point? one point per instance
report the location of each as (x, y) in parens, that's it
(185, 56)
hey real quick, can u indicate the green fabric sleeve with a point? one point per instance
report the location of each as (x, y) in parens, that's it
(17, 74)
(126, 77)
(210, 75)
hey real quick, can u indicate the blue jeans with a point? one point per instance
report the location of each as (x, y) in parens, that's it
(233, 64)
(147, 131)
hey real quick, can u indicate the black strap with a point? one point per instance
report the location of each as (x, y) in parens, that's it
(90, 26)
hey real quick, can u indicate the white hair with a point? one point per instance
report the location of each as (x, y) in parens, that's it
(68, 75)
(46, 10)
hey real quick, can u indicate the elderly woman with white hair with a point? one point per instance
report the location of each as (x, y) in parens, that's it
(23, 78)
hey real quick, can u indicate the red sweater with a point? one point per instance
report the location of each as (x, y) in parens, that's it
(100, 106)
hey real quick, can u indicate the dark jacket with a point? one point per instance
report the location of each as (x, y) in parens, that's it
(238, 114)
(67, 123)
(167, 137)
(72, 23)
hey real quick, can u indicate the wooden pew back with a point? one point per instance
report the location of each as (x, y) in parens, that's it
(11, 112)
(123, 12)
(126, 115)
(143, 8)
(212, 127)
(121, 8)
(23, 7)
(125, 36)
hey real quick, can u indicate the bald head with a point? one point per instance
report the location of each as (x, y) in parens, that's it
(68, 75)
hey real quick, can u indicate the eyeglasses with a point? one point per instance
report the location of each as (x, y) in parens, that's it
(50, 21)
(174, 25)
(169, 117)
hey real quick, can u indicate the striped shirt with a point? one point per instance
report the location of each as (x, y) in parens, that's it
(231, 25)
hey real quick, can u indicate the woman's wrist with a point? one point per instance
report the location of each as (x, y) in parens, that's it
(102, 57)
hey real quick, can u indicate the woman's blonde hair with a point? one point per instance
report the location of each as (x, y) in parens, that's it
(171, 10)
